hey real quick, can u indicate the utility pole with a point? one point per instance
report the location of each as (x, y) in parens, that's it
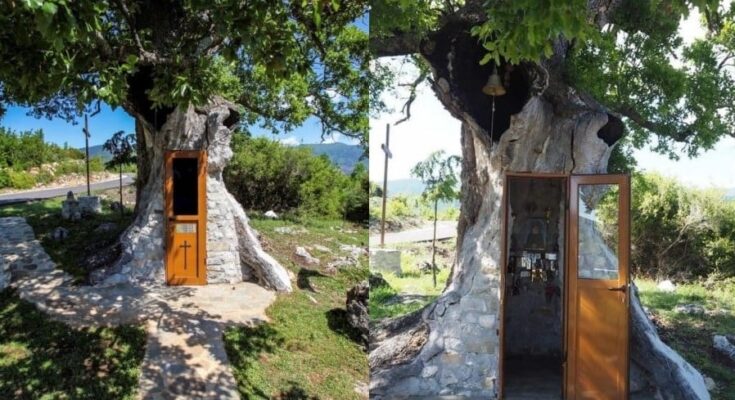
(86, 150)
(388, 155)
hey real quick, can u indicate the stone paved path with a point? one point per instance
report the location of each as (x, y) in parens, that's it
(185, 355)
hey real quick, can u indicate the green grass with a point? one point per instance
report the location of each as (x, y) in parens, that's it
(307, 351)
(412, 289)
(691, 335)
(44, 216)
(44, 359)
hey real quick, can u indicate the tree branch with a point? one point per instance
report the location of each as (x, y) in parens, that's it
(412, 96)
(633, 114)
(145, 55)
(399, 44)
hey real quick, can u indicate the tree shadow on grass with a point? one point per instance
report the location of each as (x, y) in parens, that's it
(48, 358)
(338, 323)
(295, 392)
(246, 347)
(303, 279)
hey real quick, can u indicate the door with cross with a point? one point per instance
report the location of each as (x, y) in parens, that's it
(185, 191)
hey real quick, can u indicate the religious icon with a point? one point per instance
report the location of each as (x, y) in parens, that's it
(534, 234)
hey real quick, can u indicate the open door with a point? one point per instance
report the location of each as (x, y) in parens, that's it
(185, 191)
(597, 326)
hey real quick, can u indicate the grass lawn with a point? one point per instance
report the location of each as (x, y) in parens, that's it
(413, 288)
(691, 334)
(308, 351)
(45, 215)
(44, 359)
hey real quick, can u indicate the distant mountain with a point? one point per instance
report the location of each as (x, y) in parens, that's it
(95, 151)
(730, 194)
(345, 156)
(405, 187)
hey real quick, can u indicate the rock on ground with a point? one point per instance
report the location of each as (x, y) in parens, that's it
(689, 309)
(723, 346)
(4, 274)
(271, 214)
(376, 280)
(357, 310)
(304, 256)
(59, 234)
(106, 227)
(666, 286)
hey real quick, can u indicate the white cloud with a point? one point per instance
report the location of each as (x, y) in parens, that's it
(711, 169)
(290, 141)
(429, 129)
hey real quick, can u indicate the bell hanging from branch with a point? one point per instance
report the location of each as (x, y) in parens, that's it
(494, 87)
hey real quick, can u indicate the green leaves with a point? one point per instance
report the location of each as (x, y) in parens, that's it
(524, 30)
(282, 61)
(439, 173)
(676, 96)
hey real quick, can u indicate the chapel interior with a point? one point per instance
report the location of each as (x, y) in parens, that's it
(533, 317)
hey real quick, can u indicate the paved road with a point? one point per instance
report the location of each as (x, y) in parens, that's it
(444, 230)
(40, 194)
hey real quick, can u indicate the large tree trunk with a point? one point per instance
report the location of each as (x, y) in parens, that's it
(451, 347)
(233, 250)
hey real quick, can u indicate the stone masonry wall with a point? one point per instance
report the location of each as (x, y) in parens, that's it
(223, 253)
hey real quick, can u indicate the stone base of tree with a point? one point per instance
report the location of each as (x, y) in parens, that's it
(234, 252)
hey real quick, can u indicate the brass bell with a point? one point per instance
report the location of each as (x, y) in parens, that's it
(494, 86)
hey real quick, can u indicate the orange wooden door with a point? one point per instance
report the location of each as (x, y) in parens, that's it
(598, 288)
(186, 217)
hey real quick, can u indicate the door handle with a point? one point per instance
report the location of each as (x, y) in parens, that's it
(621, 288)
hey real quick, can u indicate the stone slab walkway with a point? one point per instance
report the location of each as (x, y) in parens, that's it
(185, 355)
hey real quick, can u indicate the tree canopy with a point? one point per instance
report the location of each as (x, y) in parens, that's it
(281, 61)
(438, 172)
(629, 55)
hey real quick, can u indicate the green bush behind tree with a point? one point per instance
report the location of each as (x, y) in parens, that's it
(677, 231)
(267, 175)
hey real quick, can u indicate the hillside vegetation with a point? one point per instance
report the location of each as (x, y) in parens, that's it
(267, 175)
(679, 232)
(27, 160)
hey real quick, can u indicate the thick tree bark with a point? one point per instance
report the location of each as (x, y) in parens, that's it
(451, 347)
(233, 250)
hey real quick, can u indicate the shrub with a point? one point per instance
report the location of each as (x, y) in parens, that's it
(21, 179)
(356, 201)
(680, 232)
(4, 178)
(264, 174)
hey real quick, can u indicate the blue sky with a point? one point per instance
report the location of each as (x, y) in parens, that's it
(58, 131)
(107, 122)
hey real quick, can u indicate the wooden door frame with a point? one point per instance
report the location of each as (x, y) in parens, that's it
(200, 218)
(507, 176)
(623, 182)
(624, 204)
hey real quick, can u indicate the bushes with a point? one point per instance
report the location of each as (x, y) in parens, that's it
(680, 232)
(24, 150)
(264, 174)
(21, 179)
(25, 157)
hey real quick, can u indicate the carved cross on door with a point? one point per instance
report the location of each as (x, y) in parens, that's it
(186, 246)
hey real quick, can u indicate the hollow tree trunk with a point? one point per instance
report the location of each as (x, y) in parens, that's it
(451, 347)
(233, 250)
